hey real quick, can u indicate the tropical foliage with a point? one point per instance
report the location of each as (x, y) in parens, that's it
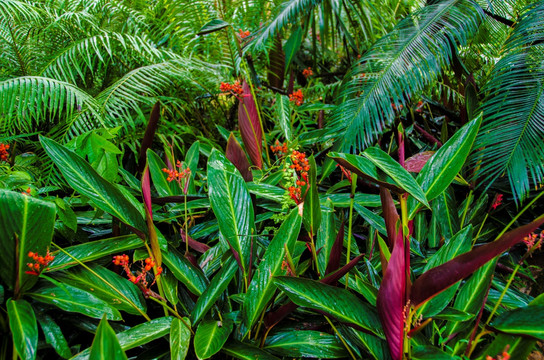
(251, 179)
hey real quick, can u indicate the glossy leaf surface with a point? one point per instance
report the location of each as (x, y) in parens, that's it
(250, 126)
(312, 207)
(105, 344)
(245, 351)
(522, 321)
(83, 178)
(210, 337)
(306, 343)
(24, 329)
(185, 272)
(180, 339)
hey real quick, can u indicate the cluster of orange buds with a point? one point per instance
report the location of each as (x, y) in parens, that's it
(40, 262)
(4, 155)
(307, 72)
(26, 192)
(300, 164)
(279, 149)
(297, 97)
(346, 172)
(419, 106)
(534, 238)
(243, 34)
(140, 279)
(234, 88)
(503, 356)
(395, 107)
(177, 175)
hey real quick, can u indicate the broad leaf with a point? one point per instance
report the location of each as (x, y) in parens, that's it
(283, 115)
(210, 337)
(24, 329)
(185, 272)
(246, 351)
(416, 162)
(325, 237)
(305, 343)
(522, 321)
(261, 289)
(72, 299)
(232, 206)
(237, 156)
(213, 26)
(162, 186)
(441, 169)
(26, 224)
(312, 207)
(180, 339)
(395, 171)
(152, 233)
(105, 344)
(54, 336)
(337, 302)
(250, 126)
(83, 178)
(441, 277)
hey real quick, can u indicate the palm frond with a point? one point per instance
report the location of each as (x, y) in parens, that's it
(511, 139)
(287, 13)
(28, 103)
(398, 66)
(18, 11)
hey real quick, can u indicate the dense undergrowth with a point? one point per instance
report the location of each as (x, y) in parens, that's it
(260, 180)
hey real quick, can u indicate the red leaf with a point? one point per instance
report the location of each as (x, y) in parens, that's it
(153, 240)
(336, 251)
(416, 162)
(442, 277)
(277, 65)
(392, 293)
(250, 126)
(193, 244)
(237, 156)
(149, 134)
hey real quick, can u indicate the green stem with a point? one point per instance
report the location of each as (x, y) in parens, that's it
(469, 198)
(350, 221)
(480, 229)
(341, 338)
(173, 312)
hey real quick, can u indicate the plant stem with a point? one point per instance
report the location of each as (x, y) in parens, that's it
(469, 198)
(341, 338)
(350, 221)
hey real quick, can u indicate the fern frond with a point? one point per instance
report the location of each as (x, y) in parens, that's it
(30, 102)
(400, 65)
(511, 139)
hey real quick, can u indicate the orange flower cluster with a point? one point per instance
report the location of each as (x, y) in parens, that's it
(4, 155)
(395, 107)
(301, 167)
(141, 278)
(40, 262)
(234, 88)
(243, 34)
(532, 239)
(503, 356)
(280, 149)
(307, 72)
(177, 175)
(297, 97)
(26, 192)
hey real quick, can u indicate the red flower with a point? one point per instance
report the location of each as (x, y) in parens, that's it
(307, 72)
(297, 97)
(497, 201)
(243, 34)
(4, 155)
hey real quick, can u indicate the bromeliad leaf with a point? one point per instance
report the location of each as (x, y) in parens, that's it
(83, 178)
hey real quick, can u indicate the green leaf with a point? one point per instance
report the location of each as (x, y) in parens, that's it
(72, 299)
(138, 335)
(282, 111)
(105, 344)
(24, 329)
(522, 321)
(292, 45)
(395, 171)
(326, 235)
(519, 347)
(54, 336)
(445, 164)
(163, 187)
(340, 303)
(232, 206)
(102, 283)
(191, 161)
(452, 314)
(184, 271)
(94, 250)
(218, 284)
(312, 208)
(213, 26)
(246, 351)
(210, 337)
(470, 297)
(429, 352)
(83, 178)
(261, 289)
(305, 343)
(180, 339)
(447, 216)
(26, 224)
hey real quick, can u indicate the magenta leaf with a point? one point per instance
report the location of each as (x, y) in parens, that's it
(391, 297)
(149, 134)
(193, 244)
(416, 162)
(237, 156)
(153, 239)
(441, 277)
(250, 126)
(336, 251)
